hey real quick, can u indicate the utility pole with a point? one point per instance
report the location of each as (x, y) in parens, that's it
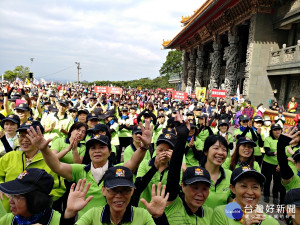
(30, 72)
(78, 69)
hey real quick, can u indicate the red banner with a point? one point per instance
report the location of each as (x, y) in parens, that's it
(169, 89)
(158, 89)
(100, 89)
(218, 93)
(115, 90)
(179, 95)
(193, 95)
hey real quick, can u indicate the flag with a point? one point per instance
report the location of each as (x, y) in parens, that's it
(27, 81)
(43, 81)
(35, 81)
(18, 79)
(238, 92)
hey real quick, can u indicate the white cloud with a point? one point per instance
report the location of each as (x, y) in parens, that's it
(121, 39)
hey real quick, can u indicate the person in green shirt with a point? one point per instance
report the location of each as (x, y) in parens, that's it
(118, 189)
(242, 156)
(82, 115)
(244, 130)
(223, 127)
(71, 150)
(98, 150)
(289, 178)
(29, 199)
(246, 183)
(257, 127)
(270, 168)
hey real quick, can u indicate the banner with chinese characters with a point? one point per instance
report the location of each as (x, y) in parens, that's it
(108, 90)
(289, 117)
(169, 89)
(218, 93)
(100, 89)
(179, 95)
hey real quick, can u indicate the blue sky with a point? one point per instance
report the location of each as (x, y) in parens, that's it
(113, 40)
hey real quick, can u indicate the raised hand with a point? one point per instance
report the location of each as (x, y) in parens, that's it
(191, 143)
(158, 201)
(76, 199)
(37, 138)
(146, 136)
(291, 133)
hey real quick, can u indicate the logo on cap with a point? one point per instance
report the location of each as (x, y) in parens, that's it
(97, 136)
(168, 136)
(21, 105)
(21, 175)
(11, 116)
(120, 173)
(28, 123)
(169, 129)
(198, 172)
(138, 127)
(246, 168)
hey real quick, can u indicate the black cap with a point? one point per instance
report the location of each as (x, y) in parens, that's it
(137, 130)
(92, 116)
(296, 156)
(29, 180)
(118, 176)
(189, 113)
(147, 114)
(85, 111)
(29, 124)
(161, 115)
(197, 109)
(23, 107)
(257, 119)
(46, 102)
(245, 171)
(73, 110)
(244, 118)
(98, 127)
(275, 126)
(62, 102)
(13, 118)
(98, 139)
(223, 122)
(53, 108)
(244, 140)
(168, 138)
(293, 197)
(195, 174)
(124, 109)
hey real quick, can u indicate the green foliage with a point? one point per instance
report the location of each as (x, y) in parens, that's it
(172, 65)
(145, 83)
(20, 71)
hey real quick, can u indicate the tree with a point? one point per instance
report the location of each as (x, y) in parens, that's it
(172, 65)
(20, 71)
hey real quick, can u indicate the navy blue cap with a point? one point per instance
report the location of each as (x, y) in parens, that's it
(245, 171)
(23, 107)
(244, 140)
(13, 118)
(29, 180)
(33, 123)
(293, 197)
(98, 139)
(118, 176)
(168, 138)
(195, 174)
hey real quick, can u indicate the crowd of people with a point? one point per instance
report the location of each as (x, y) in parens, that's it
(69, 155)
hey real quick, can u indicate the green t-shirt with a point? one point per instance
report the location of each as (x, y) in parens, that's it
(294, 183)
(99, 215)
(178, 215)
(144, 167)
(60, 144)
(80, 171)
(257, 149)
(220, 218)
(2, 210)
(130, 149)
(239, 132)
(115, 135)
(219, 193)
(290, 163)
(190, 159)
(272, 144)
(226, 165)
(8, 218)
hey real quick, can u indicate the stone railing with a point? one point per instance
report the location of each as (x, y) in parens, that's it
(285, 55)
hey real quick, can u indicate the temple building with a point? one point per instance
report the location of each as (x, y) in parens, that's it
(253, 44)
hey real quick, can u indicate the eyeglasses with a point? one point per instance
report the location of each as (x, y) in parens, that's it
(245, 121)
(14, 197)
(122, 191)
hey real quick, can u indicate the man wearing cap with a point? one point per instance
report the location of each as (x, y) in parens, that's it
(270, 166)
(246, 183)
(14, 162)
(62, 120)
(292, 199)
(96, 161)
(118, 189)
(134, 145)
(29, 199)
(9, 140)
(23, 111)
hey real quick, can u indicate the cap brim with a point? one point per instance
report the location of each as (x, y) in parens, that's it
(14, 187)
(119, 183)
(256, 174)
(249, 142)
(10, 119)
(94, 117)
(165, 141)
(197, 179)
(92, 141)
